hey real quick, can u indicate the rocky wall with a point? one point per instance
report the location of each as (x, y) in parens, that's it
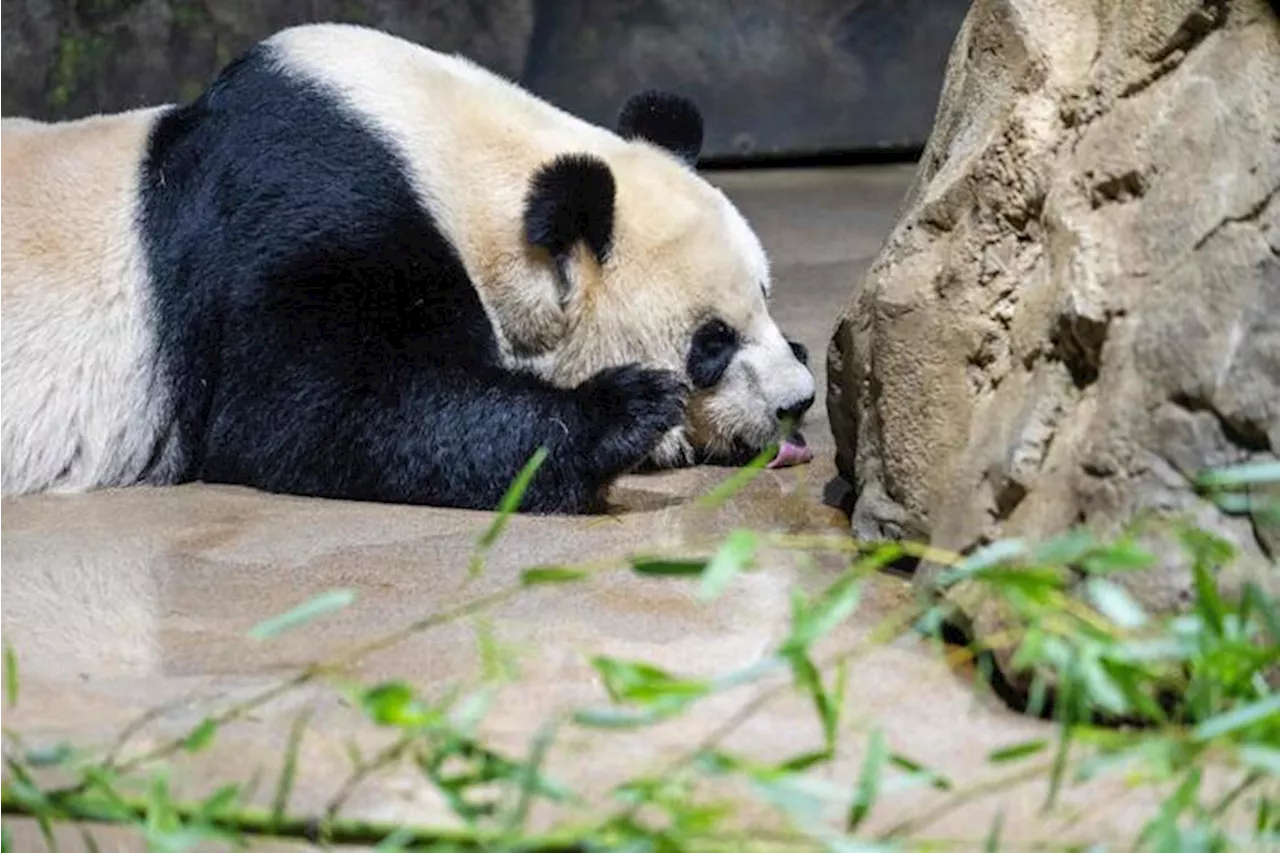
(1079, 308)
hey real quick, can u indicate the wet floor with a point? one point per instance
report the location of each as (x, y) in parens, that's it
(121, 601)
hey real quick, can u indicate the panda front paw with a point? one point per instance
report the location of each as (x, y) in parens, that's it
(629, 409)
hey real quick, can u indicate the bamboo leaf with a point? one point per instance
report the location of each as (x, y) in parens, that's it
(733, 557)
(321, 605)
(288, 768)
(868, 780)
(1017, 751)
(1245, 474)
(662, 566)
(1239, 717)
(10, 676)
(513, 496)
(201, 735)
(550, 575)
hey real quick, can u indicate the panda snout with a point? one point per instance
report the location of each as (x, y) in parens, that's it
(795, 411)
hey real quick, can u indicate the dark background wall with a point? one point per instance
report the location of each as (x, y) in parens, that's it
(774, 77)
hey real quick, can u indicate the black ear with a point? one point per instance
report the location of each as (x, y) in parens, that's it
(665, 119)
(570, 199)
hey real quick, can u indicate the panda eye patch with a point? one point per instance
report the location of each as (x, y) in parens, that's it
(714, 346)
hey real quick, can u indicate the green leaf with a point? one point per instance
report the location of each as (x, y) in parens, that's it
(1064, 550)
(935, 779)
(805, 760)
(321, 605)
(1255, 599)
(1029, 580)
(50, 756)
(468, 713)
(1145, 651)
(837, 700)
(664, 566)
(103, 784)
(1017, 751)
(1059, 768)
(219, 802)
(530, 774)
(809, 623)
(1206, 547)
(1264, 758)
(868, 780)
(10, 676)
(398, 841)
(506, 508)
(1239, 717)
(642, 683)
(622, 718)
(511, 498)
(201, 735)
(734, 556)
(1123, 555)
(1245, 474)
(992, 844)
(1114, 602)
(393, 704)
(790, 795)
(984, 558)
(1265, 820)
(809, 679)
(288, 768)
(498, 662)
(1209, 604)
(840, 844)
(739, 479)
(551, 574)
(748, 674)
(1239, 503)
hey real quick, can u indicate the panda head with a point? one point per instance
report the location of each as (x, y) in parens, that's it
(652, 264)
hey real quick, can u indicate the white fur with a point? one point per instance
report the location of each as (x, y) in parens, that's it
(83, 406)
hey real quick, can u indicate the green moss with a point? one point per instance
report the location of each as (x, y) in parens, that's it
(190, 90)
(100, 10)
(355, 13)
(80, 59)
(189, 16)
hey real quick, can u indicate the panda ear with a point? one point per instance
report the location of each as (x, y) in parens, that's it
(665, 119)
(570, 200)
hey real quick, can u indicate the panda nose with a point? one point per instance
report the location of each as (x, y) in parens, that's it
(795, 411)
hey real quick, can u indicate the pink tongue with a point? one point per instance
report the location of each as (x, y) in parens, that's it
(792, 451)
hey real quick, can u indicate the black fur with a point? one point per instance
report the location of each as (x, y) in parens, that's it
(665, 119)
(800, 351)
(570, 200)
(321, 336)
(713, 348)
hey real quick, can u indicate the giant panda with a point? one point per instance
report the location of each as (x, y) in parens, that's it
(357, 268)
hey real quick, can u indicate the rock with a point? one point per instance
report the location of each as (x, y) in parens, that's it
(1079, 307)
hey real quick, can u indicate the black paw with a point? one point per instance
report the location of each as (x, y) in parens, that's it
(629, 409)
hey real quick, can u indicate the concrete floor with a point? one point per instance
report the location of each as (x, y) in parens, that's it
(124, 600)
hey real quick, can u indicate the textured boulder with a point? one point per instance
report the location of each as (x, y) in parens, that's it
(1079, 307)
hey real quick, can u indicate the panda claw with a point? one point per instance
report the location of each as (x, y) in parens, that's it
(630, 408)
